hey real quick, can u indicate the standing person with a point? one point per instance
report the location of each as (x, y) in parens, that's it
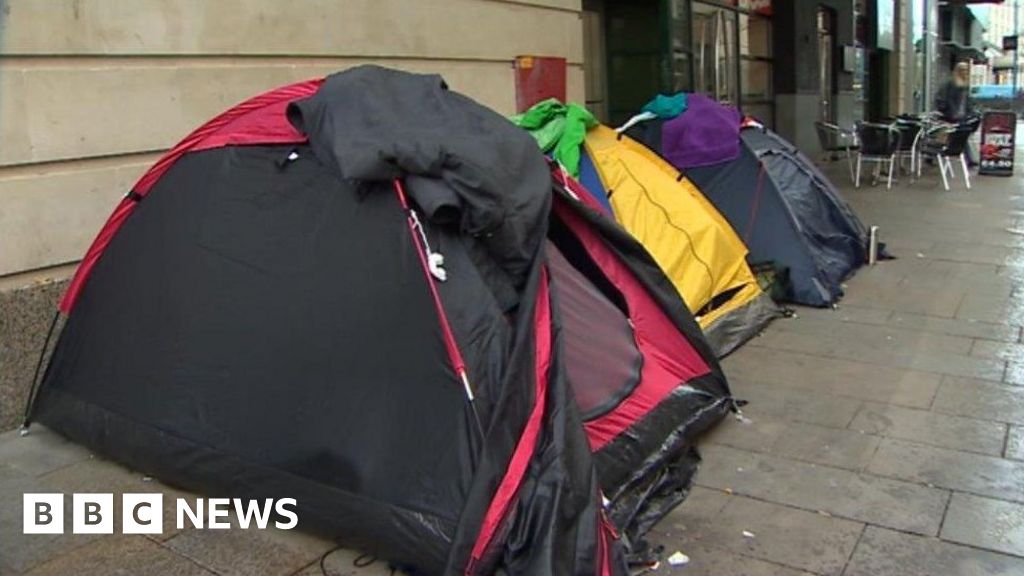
(953, 101)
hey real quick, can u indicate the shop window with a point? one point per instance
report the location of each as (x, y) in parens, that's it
(755, 36)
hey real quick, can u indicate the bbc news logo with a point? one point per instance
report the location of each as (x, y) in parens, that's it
(144, 513)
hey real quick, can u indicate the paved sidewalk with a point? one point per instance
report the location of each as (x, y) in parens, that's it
(885, 437)
(45, 462)
(882, 438)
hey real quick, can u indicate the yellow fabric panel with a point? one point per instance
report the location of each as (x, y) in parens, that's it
(695, 246)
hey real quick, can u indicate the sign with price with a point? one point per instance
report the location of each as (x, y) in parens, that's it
(997, 142)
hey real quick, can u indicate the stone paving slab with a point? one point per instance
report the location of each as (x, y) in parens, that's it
(916, 322)
(1015, 272)
(882, 552)
(7, 473)
(952, 469)
(892, 275)
(838, 448)
(926, 427)
(912, 232)
(709, 561)
(858, 341)
(767, 368)
(916, 358)
(133, 555)
(861, 497)
(1015, 443)
(171, 494)
(907, 244)
(1014, 374)
(758, 432)
(980, 279)
(269, 552)
(1002, 350)
(39, 452)
(992, 308)
(952, 364)
(968, 328)
(864, 338)
(98, 475)
(929, 300)
(985, 523)
(795, 440)
(985, 400)
(103, 476)
(845, 313)
(782, 535)
(20, 552)
(798, 405)
(973, 253)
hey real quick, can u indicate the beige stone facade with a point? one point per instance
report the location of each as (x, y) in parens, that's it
(91, 91)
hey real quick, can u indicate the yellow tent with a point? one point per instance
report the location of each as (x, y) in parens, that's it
(696, 247)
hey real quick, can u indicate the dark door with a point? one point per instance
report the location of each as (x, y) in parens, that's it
(636, 48)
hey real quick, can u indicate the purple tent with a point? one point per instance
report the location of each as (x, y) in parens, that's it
(707, 133)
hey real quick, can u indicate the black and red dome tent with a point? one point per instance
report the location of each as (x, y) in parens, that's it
(371, 294)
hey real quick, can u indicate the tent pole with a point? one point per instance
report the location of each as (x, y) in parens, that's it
(36, 383)
(454, 354)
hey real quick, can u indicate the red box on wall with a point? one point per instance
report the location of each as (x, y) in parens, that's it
(538, 78)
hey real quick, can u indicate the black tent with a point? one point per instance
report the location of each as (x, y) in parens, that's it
(370, 294)
(786, 211)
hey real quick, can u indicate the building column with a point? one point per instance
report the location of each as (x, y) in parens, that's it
(796, 73)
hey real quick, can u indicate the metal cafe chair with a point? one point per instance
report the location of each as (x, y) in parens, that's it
(878, 144)
(910, 129)
(945, 142)
(834, 139)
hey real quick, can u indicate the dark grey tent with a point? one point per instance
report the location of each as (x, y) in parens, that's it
(789, 213)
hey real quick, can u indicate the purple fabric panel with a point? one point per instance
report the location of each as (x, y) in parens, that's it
(707, 133)
(601, 358)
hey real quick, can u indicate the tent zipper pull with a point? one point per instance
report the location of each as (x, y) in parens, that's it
(292, 156)
(435, 260)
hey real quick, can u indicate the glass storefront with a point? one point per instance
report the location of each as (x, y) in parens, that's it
(723, 48)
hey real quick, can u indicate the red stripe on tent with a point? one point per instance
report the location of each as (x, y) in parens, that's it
(605, 535)
(527, 444)
(258, 120)
(669, 358)
(454, 355)
(121, 212)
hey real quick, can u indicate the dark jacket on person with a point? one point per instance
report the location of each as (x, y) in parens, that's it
(954, 102)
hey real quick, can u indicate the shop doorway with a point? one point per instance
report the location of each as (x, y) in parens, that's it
(636, 49)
